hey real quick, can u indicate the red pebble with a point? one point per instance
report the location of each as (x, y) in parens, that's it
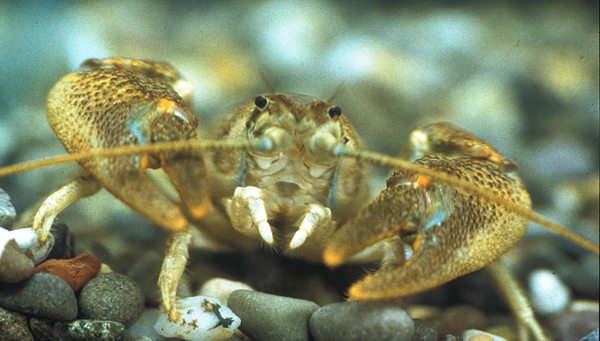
(76, 271)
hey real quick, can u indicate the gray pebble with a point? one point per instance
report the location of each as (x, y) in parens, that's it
(272, 318)
(113, 297)
(7, 211)
(14, 265)
(42, 295)
(79, 330)
(424, 331)
(13, 327)
(362, 321)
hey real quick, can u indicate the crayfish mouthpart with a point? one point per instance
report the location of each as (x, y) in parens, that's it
(264, 229)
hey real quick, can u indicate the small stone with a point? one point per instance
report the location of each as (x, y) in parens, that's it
(13, 327)
(143, 328)
(29, 241)
(112, 297)
(577, 321)
(457, 319)
(548, 294)
(76, 272)
(424, 331)
(202, 318)
(42, 295)
(79, 330)
(269, 317)
(63, 241)
(14, 265)
(145, 272)
(7, 211)
(221, 288)
(361, 321)
(478, 335)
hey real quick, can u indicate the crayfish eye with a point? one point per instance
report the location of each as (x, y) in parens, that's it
(334, 112)
(261, 102)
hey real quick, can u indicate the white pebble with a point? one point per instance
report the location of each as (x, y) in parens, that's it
(548, 294)
(467, 335)
(221, 288)
(4, 238)
(201, 318)
(29, 241)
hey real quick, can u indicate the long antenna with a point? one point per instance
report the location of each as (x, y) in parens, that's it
(259, 144)
(396, 163)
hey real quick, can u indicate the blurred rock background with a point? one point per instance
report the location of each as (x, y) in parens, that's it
(521, 75)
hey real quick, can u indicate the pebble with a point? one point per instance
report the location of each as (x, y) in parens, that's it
(456, 319)
(113, 297)
(424, 331)
(269, 317)
(362, 321)
(7, 211)
(202, 318)
(63, 241)
(548, 294)
(145, 273)
(13, 327)
(76, 272)
(577, 321)
(42, 295)
(478, 335)
(143, 328)
(15, 266)
(29, 241)
(79, 330)
(221, 288)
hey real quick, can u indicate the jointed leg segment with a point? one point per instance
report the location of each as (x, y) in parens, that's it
(172, 270)
(519, 305)
(61, 199)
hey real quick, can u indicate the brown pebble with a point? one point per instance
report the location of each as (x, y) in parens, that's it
(76, 271)
(457, 319)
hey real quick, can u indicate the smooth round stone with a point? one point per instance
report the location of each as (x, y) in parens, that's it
(42, 295)
(15, 266)
(76, 272)
(424, 331)
(221, 288)
(201, 318)
(112, 297)
(29, 241)
(13, 326)
(7, 211)
(145, 272)
(79, 330)
(547, 293)
(456, 319)
(369, 321)
(576, 322)
(269, 317)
